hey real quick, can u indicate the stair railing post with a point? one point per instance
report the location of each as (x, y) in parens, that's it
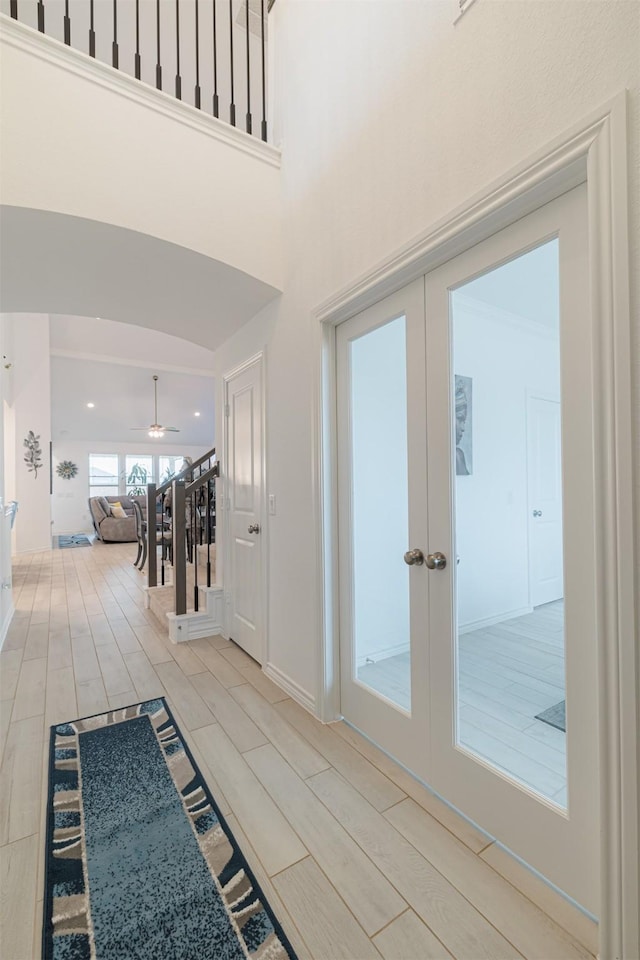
(179, 547)
(152, 553)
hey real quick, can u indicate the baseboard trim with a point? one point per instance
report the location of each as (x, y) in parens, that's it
(4, 630)
(383, 654)
(295, 691)
(491, 621)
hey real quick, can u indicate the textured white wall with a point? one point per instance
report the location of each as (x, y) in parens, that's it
(77, 145)
(390, 116)
(31, 404)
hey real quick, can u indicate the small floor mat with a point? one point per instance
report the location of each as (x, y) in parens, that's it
(72, 540)
(555, 716)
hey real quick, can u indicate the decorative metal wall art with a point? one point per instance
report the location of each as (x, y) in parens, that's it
(66, 469)
(33, 456)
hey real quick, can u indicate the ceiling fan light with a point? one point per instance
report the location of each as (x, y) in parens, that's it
(156, 434)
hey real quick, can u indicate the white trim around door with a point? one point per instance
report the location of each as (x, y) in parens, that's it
(593, 152)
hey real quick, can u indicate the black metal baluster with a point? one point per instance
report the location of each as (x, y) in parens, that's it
(67, 24)
(163, 540)
(194, 542)
(136, 59)
(150, 536)
(209, 482)
(158, 67)
(215, 63)
(197, 89)
(41, 16)
(114, 46)
(264, 81)
(178, 77)
(232, 106)
(92, 33)
(248, 118)
(13, 9)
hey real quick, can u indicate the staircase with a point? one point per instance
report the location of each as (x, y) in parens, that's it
(188, 602)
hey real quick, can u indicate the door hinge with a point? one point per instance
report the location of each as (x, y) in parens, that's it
(227, 410)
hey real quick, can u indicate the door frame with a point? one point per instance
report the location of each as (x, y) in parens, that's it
(256, 358)
(594, 152)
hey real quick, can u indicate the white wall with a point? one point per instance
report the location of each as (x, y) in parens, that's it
(70, 508)
(136, 167)
(29, 408)
(505, 360)
(196, 184)
(414, 116)
(6, 593)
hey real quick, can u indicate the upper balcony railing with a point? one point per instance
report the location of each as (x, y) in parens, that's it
(210, 54)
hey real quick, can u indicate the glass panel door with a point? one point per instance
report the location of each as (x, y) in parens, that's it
(512, 623)
(505, 333)
(382, 482)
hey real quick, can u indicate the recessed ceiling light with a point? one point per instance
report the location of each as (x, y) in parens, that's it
(91, 405)
(197, 413)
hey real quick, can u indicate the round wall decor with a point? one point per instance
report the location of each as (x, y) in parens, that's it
(66, 469)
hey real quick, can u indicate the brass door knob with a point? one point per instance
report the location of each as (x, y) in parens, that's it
(414, 558)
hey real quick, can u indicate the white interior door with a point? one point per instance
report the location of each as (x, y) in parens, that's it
(382, 483)
(545, 499)
(244, 454)
(505, 316)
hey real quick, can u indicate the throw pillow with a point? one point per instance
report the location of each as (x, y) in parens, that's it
(117, 511)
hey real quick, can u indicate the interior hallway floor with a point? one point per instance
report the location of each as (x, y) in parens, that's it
(357, 859)
(509, 673)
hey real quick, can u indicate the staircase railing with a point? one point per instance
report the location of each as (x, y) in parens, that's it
(193, 526)
(157, 501)
(216, 48)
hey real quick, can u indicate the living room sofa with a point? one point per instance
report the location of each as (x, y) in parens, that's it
(112, 529)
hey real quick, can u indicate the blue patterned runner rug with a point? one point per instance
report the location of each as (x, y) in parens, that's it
(140, 864)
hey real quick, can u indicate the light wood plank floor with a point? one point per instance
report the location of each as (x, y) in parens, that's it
(357, 858)
(508, 673)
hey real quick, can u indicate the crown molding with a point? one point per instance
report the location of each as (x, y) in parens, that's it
(126, 362)
(35, 44)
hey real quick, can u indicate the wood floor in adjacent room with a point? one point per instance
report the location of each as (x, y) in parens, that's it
(357, 859)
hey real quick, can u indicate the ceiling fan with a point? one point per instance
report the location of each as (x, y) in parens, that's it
(155, 429)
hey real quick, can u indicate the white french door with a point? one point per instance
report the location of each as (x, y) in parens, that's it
(446, 662)
(383, 512)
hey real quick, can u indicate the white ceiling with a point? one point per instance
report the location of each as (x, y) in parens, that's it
(57, 264)
(111, 365)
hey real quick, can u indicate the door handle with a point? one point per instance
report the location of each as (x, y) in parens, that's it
(537, 513)
(414, 558)
(254, 528)
(436, 561)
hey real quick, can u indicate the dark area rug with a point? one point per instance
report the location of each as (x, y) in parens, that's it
(555, 716)
(72, 540)
(140, 863)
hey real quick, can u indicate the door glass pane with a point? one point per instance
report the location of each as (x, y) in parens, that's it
(379, 498)
(508, 520)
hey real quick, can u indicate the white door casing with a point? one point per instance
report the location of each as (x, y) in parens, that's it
(545, 499)
(245, 494)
